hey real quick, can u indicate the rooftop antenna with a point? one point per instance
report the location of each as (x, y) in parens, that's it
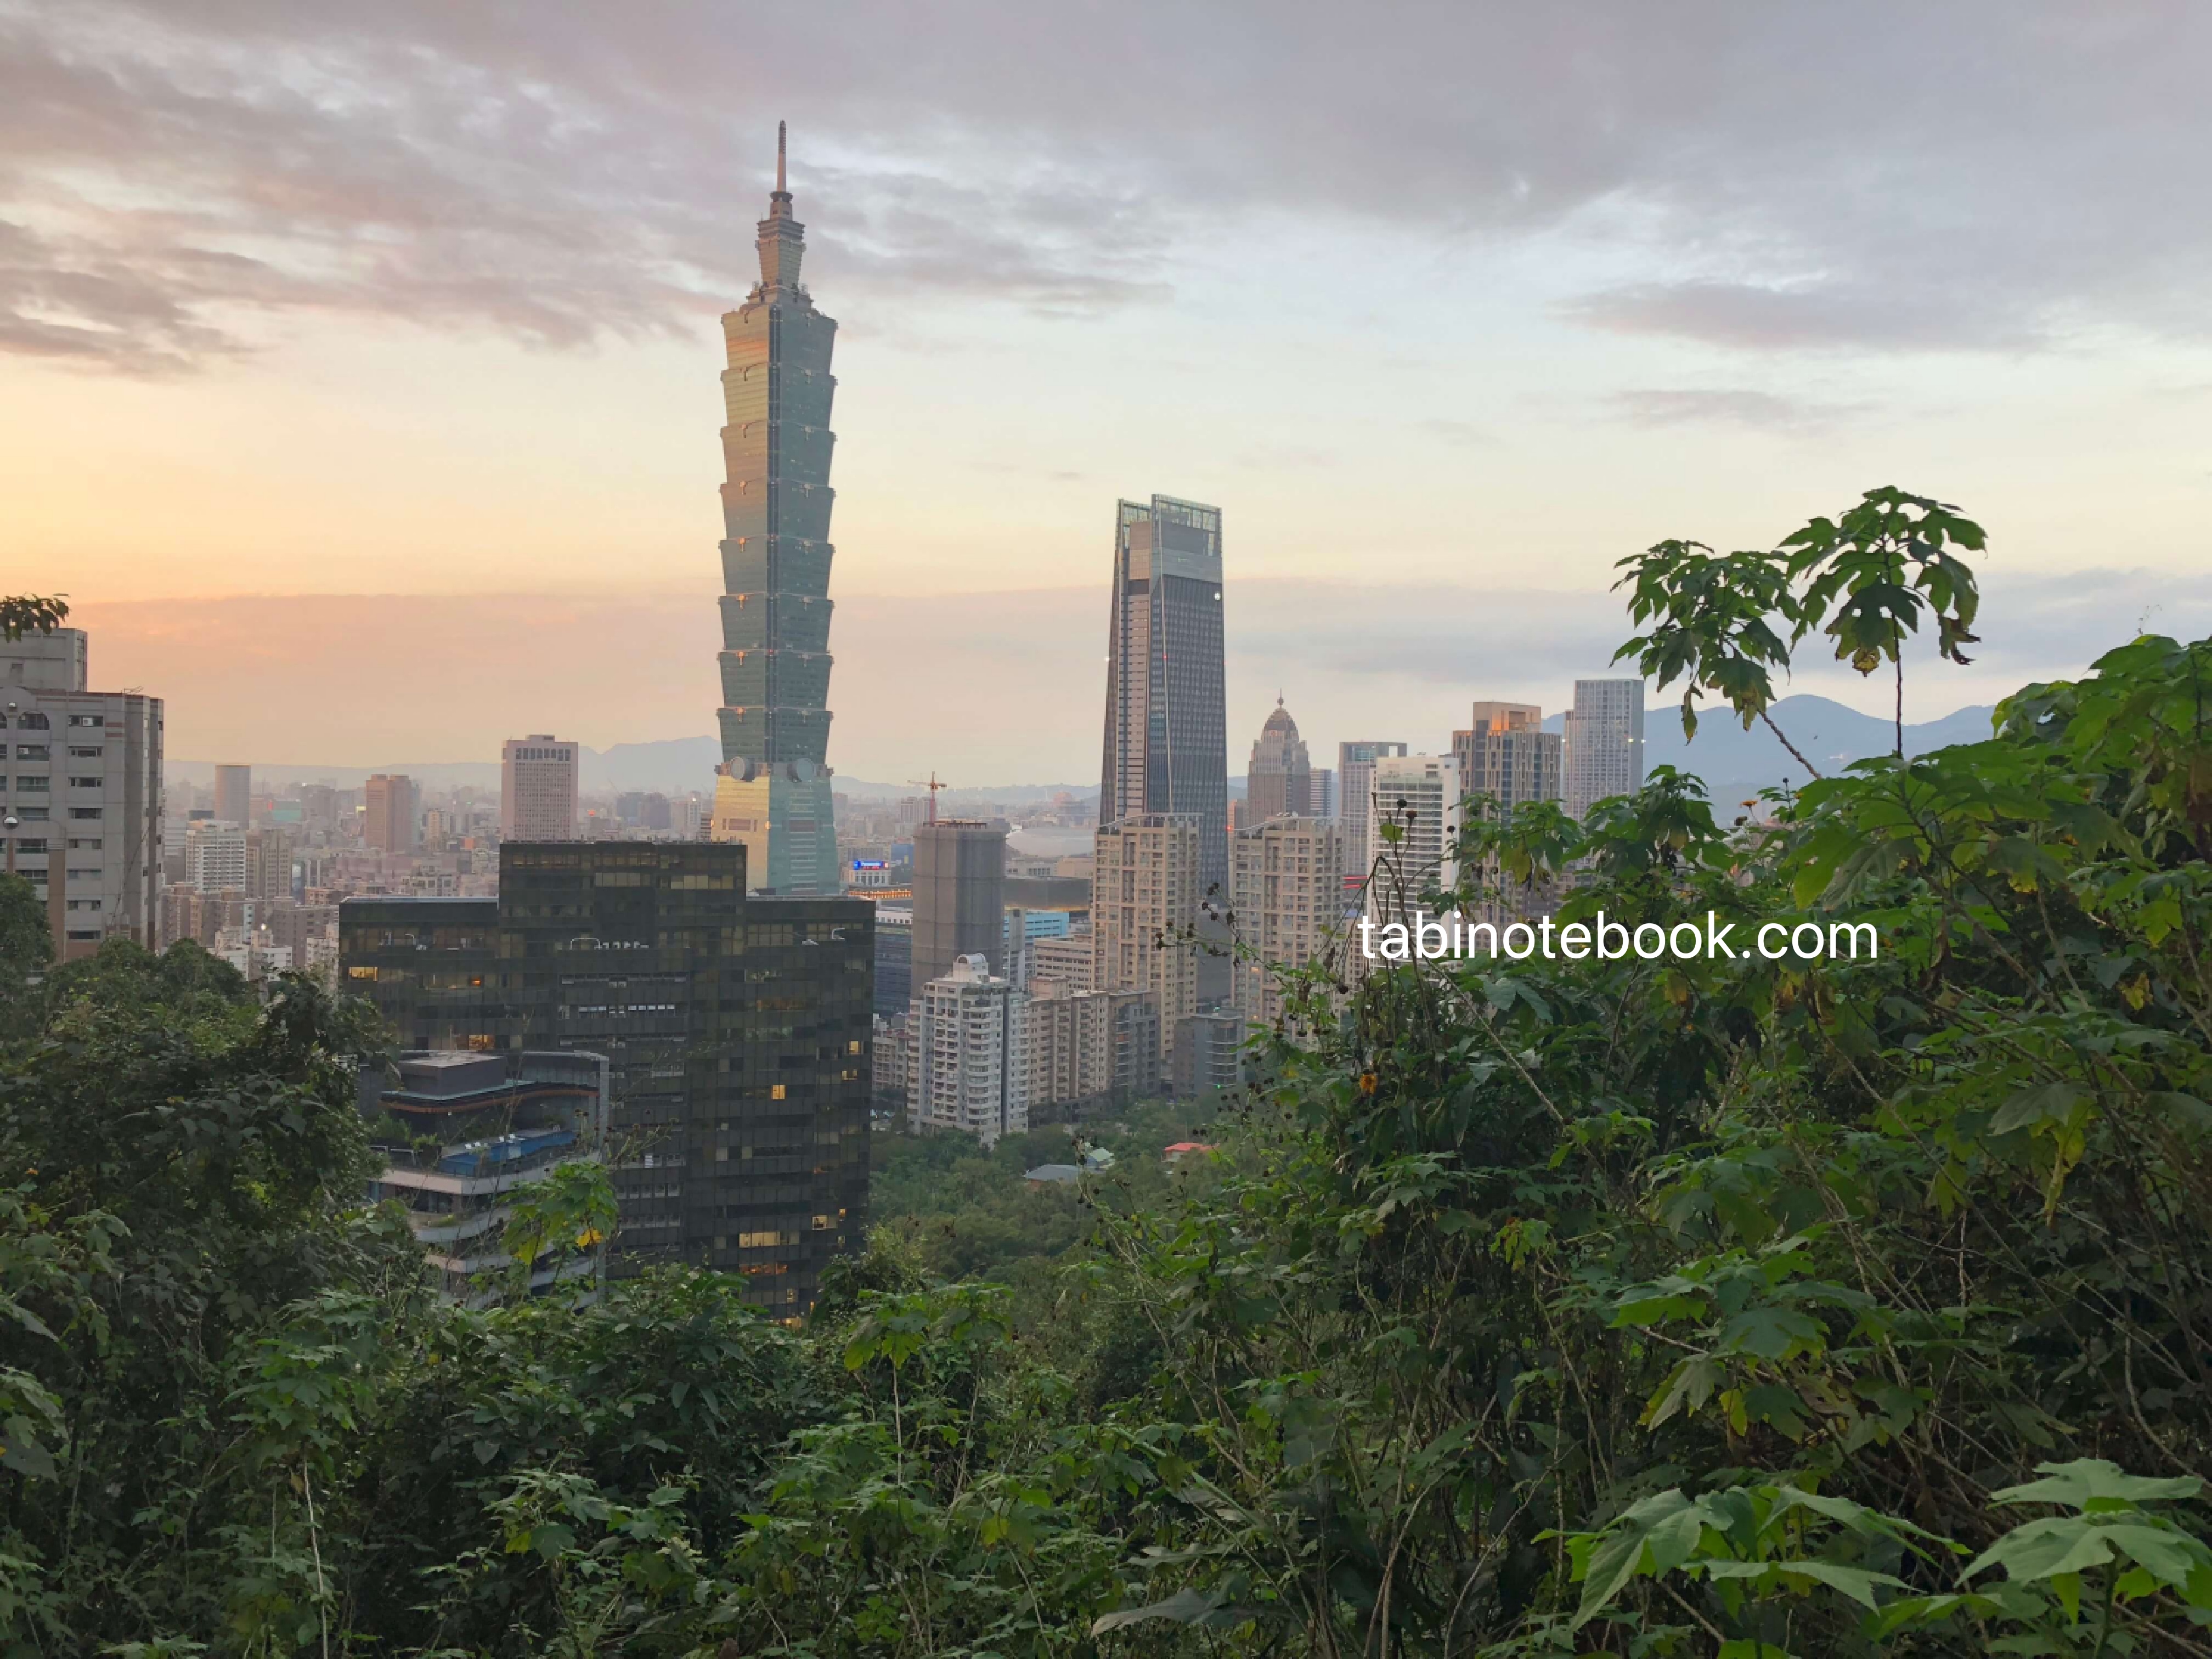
(779, 127)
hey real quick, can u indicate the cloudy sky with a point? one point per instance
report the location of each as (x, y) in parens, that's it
(357, 363)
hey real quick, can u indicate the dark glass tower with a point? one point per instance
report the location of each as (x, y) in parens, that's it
(775, 792)
(736, 1031)
(1167, 743)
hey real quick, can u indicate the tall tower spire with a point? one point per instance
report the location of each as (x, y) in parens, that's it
(782, 240)
(774, 793)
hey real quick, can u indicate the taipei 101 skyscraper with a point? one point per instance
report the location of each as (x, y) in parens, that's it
(773, 792)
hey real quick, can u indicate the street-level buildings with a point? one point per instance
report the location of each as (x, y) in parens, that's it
(81, 804)
(736, 1029)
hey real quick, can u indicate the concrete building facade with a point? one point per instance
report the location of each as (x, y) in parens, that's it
(959, 896)
(1209, 1053)
(1280, 777)
(1604, 744)
(1145, 911)
(1506, 755)
(539, 779)
(1288, 900)
(81, 809)
(1422, 795)
(1355, 789)
(234, 795)
(215, 857)
(389, 812)
(1065, 962)
(972, 1054)
(502, 1123)
(1508, 761)
(1091, 1049)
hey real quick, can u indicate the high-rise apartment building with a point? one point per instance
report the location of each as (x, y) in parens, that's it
(959, 896)
(538, 780)
(215, 858)
(774, 793)
(1065, 962)
(1209, 1053)
(1508, 761)
(1421, 794)
(1166, 749)
(1090, 1048)
(737, 1029)
(80, 804)
(972, 1054)
(234, 795)
(1604, 743)
(1287, 885)
(1355, 788)
(1507, 756)
(389, 812)
(1145, 911)
(269, 865)
(893, 960)
(1280, 778)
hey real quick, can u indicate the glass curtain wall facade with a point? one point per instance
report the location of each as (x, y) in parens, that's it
(736, 1029)
(774, 795)
(1166, 745)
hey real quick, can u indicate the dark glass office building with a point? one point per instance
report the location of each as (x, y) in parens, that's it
(737, 1029)
(1167, 745)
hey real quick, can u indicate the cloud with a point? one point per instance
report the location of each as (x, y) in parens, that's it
(1704, 406)
(1824, 317)
(1886, 177)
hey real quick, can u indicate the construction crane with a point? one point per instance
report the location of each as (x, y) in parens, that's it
(932, 786)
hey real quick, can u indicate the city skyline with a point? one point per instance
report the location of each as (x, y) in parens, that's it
(1612, 287)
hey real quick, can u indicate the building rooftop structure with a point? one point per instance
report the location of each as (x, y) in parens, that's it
(464, 1133)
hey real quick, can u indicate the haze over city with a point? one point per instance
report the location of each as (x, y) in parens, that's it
(372, 352)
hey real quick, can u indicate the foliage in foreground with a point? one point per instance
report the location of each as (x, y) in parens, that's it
(1736, 1309)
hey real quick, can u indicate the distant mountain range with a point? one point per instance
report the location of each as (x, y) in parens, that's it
(1735, 764)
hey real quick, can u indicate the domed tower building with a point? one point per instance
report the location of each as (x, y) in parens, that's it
(1281, 777)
